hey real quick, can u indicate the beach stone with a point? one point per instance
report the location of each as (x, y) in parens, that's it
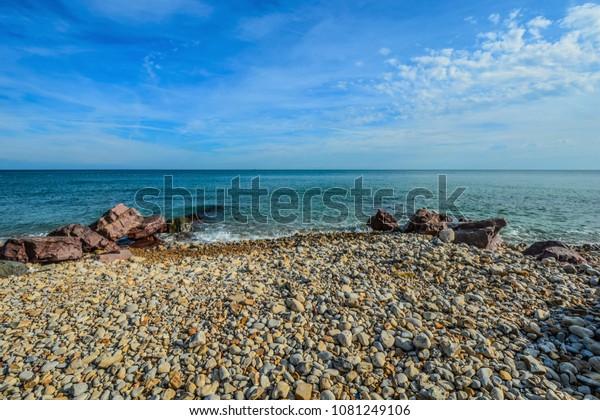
(387, 339)
(116, 222)
(534, 365)
(422, 341)
(130, 307)
(484, 238)
(121, 255)
(294, 305)
(446, 235)
(26, 376)
(344, 338)
(78, 389)
(303, 391)
(163, 368)
(12, 268)
(281, 390)
(199, 339)
(581, 331)
(382, 221)
(327, 395)
(90, 240)
(379, 359)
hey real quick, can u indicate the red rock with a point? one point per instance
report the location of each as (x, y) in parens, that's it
(114, 256)
(427, 222)
(382, 221)
(90, 240)
(537, 248)
(149, 242)
(150, 226)
(42, 249)
(115, 223)
(562, 254)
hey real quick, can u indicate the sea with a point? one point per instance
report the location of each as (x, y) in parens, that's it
(252, 204)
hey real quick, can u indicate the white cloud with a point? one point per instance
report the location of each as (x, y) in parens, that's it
(494, 18)
(384, 51)
(509, 65)
(471, 20)
(536, 24)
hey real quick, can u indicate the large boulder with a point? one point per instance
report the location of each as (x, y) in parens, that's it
(90, 240)
(427, 222)
(12, 268)
(484, 238)
(382, 221)
(480, 233)
(556, 250)
(147, 242)
(150, 225)
(117, 222)
(42, 249)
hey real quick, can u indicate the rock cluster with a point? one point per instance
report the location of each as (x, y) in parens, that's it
(72, 241)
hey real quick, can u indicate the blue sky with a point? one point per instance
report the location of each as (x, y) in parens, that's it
(299, 84)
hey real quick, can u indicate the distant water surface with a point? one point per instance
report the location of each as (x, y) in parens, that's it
(538, 204)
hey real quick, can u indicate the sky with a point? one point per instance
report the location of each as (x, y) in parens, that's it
(404, 84)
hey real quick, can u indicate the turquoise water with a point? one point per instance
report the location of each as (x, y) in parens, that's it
(538, 204)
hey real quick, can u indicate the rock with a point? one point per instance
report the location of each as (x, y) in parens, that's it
(382, 221)
(78, 389)
(538, 247)
(199, 339)
(554, 249)
(303, 391)
(386, 339)
(111, 360)
(422, 341)
(123, 254)
(130, 307)
(592, 345)
(446, 235)
(42, 249)
(427, 222)
(562, 255)
(148, 242)
(327, 395)
(535, 366)
(485, 375)
(12, 268)
(294, 305)
(484, 238)
(344, 338)
(281, 390)
(150, 225)
(180, 225)
(26, 376)
(90, 240)
(163, 368)
(581, 331)
(115, 223)
(379, 360)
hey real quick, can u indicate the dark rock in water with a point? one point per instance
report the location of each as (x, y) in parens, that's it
(149, 226)
(114, 256)
(115, 223)
(554, 249)
(427, 222)
(90, 240)
(12, 268)
(148, 242)
(484, 238)
(42, 249)
(539, 247)
(496, 224)
(181, 225)
(382, 221)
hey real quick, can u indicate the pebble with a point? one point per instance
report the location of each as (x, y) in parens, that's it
(303, 391)
(387, 339)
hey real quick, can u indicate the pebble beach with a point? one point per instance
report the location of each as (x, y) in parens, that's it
(318, 316)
